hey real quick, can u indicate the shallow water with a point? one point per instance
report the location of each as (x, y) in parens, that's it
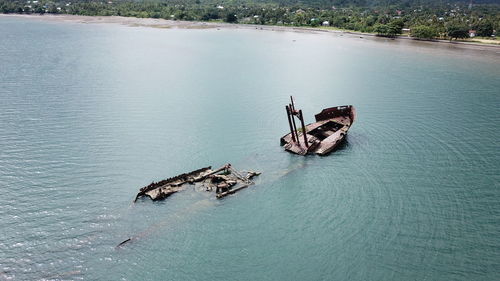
(90, 113)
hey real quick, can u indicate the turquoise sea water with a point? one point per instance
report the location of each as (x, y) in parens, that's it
(91, 113)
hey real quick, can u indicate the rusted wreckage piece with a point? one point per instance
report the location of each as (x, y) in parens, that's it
(320, 137)
(163, 189)
(224, 180)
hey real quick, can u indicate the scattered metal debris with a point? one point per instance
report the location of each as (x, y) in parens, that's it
(224, 181)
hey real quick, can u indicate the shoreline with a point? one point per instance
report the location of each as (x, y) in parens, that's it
(163, 23)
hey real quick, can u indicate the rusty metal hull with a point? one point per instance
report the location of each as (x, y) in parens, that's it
(224, 181)
(163, 189)
(324, 135)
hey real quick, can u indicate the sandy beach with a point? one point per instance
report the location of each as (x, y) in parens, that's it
(162, 23)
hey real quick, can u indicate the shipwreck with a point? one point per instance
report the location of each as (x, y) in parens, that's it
(320, 137)
(224, 181)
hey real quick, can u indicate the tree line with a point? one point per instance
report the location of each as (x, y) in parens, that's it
(423, 19)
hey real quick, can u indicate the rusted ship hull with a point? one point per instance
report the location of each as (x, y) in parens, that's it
(163, 189)
(322, 136)
(224, 180)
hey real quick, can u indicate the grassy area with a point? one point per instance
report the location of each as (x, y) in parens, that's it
(492, 41)
(338, 29)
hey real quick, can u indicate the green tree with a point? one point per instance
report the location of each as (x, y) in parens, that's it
(397, 25)
(40, 10)
(424, 32)
(391, 29)
(484, 28)
(381, 29)
(458, 31)
(231, 18)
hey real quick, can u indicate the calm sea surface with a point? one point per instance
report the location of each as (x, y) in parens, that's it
(89, 113)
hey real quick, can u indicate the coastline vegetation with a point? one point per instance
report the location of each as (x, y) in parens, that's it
(423, 19)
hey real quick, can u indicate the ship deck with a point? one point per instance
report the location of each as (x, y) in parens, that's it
(322, 136)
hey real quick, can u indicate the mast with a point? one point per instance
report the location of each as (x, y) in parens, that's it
(304, 133)
(291, 113)
(288, 113)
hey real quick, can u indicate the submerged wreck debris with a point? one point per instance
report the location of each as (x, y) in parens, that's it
(165, 188)
(123, 242)
(320, 137)
(224, 181)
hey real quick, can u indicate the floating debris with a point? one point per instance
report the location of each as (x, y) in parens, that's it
(320, 137)
(224, 181)
(123, 242)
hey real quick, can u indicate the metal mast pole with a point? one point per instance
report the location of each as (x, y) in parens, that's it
(294, 126)
(290, 122)
(303, 127)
